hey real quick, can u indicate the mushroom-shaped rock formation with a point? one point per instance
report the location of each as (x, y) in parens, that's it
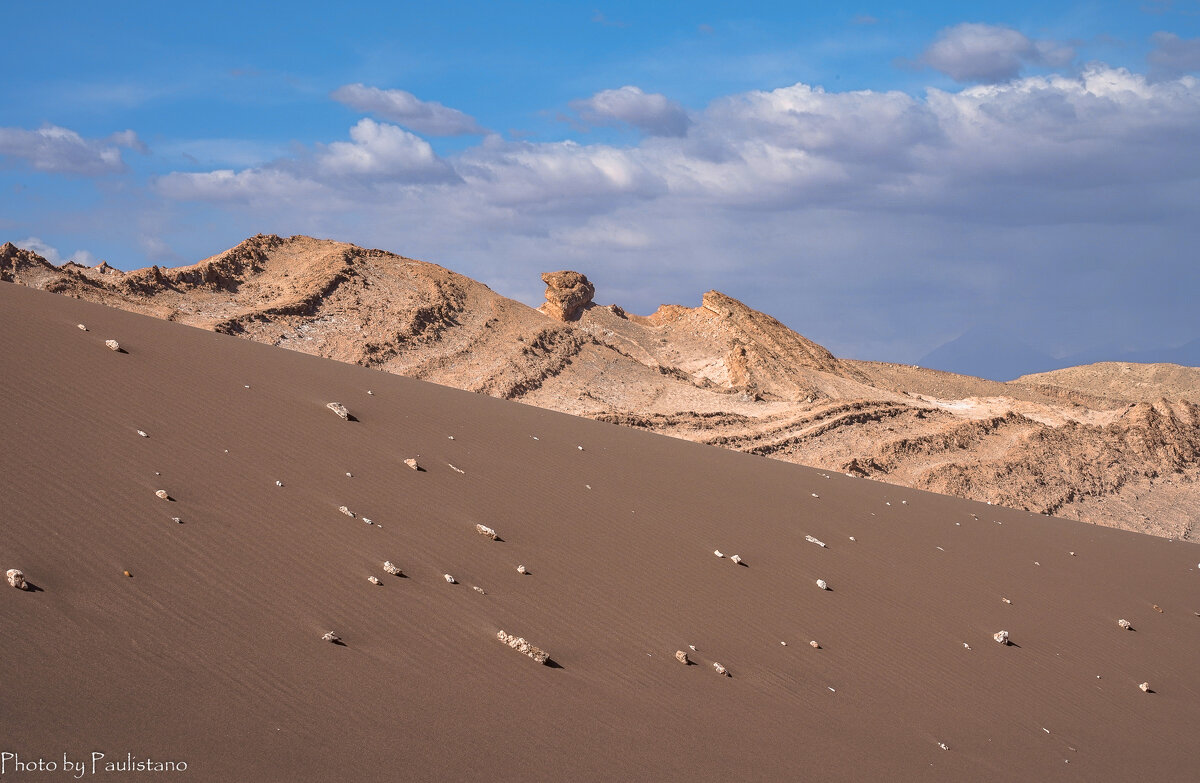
(566, 294)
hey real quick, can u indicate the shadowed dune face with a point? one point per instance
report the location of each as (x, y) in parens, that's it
(211, 650)
(1117, 445)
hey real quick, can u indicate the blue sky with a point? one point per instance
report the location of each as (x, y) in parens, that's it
(882, 178)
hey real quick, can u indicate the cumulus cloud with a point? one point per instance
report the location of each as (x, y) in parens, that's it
(404, 108)
(973, 52)
(63, 151)
(651, 113)
(1173, 55)
(341, 172)
(51, 254)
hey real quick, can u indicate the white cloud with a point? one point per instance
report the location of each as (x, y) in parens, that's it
(382, 151)
(51, 254)
(651, 113)
(973, 52)
(63, 151)
(404, 108)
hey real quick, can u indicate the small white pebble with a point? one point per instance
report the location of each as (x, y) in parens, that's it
(279, 483)
(784, 644)
(904, 502)
(943, 746)
(81, 327)
(144, 435)
(1036, 563)
(374, 580)
(478, 589)
(589, 486)
(966, 646)
(367, 521)
(535, 437)
(349, 475)
(852, 538)
(1145, 686)
(718, 553)
(736, 559)
(943, 550)
(177, 520)
(448, 578)
(1006, 600)
(813, 644)
(1072, 554)
(815, 495)
(821, 583)
(162, 493)
(579, 447)
(370, 392)
(719, 669)
(451, 437)
(521, 569)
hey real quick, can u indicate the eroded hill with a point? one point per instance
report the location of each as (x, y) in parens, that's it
(1115, 445)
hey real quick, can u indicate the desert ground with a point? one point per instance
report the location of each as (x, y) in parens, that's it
(193, 627)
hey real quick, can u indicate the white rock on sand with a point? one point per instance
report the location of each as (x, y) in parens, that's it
(162, 493)
(330, 636)
(821, 583)
(391, 568)
(1001, 637)
(113, 345)
(522, 646)
(16, 578)
(340, 410)
(486, 531)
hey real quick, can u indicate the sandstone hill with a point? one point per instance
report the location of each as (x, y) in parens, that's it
(1113, 444)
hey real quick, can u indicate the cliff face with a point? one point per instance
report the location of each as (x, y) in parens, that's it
(1091, 443)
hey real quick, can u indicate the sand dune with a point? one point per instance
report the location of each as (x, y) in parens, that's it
(210, 652)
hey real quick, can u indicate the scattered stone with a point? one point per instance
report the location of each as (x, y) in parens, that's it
(1125, 624)
(813, 644)
(821, 583)
(522, 646)
(347, 512)
(374, 580)
(456, 469)
(16, 578)
(330, 636)
(682, 657)
(1006, 600)
(1001, 637)
(162, 493)
(449, 579)
(1072, 554)
(736, 559)
(815, 495)
(478, 589)
(177, 520)
(370, 392)
(1158, 608)
(719, 669)
(81, 327)
(337, 408)
(113, 345)
(349, 475)
(818, 542)
(718, 553)
(127, 573)
(144, 435)
(966, 646)
(484, 530)
(943, 746)
(784, 644)
(279, 483)
(579, 447)
(522, 570)
(391, 568)
(367, 521)
(852, 538)
(1145, 686)
(412, 463)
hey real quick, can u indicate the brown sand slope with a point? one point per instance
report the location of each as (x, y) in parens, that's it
(721, 373)
(210, 653)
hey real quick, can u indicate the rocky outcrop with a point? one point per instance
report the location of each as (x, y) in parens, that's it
(566, 294)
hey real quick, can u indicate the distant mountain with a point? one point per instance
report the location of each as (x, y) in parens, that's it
(991, 354)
